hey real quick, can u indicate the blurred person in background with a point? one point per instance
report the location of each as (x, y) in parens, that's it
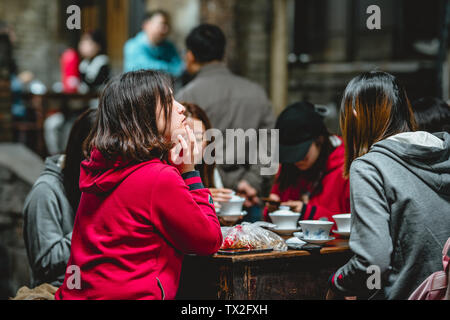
(87, 76)
(150, 49)
(9, 71)
(432, 114)
(94, 67)
(50, 207)
(231, 102)
(199, 122)
(310, 179)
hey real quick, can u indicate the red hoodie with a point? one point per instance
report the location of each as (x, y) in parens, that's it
(132, 228)
(334, 197)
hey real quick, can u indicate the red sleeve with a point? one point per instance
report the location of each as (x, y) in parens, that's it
(182, 211)
(316, 212)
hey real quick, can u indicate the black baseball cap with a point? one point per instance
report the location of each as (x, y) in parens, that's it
(299, 125)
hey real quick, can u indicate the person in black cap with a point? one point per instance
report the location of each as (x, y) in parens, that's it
(310, 179)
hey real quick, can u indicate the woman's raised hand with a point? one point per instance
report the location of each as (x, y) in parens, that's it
(185, 153)
(220, 195)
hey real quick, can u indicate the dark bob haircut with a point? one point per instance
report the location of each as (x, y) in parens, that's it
(126, 124)
(207, 43)
(432, 114)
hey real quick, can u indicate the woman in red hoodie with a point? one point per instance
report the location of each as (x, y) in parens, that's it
(310, 179)
(143, 206)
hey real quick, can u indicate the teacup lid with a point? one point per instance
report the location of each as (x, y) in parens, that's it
(235, 197)
(284, 211)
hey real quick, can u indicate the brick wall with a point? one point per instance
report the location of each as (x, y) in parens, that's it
(35, 23)
(246, 25)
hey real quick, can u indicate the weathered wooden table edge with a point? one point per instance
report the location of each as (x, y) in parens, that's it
(292, 274)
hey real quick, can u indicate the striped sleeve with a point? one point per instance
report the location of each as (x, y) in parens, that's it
(193, 180)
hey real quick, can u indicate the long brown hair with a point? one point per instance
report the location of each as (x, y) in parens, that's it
(126, 125)
(206, 170)
(382, 109)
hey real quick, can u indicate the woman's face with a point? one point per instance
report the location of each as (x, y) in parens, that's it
(177, 122)
(199, 131)
(157, 28)
(88, 48)
(310, 158)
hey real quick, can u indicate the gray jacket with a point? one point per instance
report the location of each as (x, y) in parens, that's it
(48, 224)
(231, 102)
(400, 204)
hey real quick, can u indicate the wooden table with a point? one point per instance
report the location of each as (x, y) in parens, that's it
(293, 274)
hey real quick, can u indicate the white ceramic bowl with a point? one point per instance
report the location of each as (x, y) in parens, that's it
(232, 207)
(285, 219)
(316, 229)
(343, 222)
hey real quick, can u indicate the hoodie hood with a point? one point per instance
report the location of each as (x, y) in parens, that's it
(426, 155)
(53, 166)
(336, 158)
(101, 175)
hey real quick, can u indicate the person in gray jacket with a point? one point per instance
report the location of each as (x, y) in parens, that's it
(50, 208)
(230, 101)
(399, 192)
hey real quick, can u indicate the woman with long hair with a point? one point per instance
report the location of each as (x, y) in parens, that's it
(50, 207)
(310, 179)
(399, 192)
(142, 203)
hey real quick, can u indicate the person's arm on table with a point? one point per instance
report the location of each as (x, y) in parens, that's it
(370, 239)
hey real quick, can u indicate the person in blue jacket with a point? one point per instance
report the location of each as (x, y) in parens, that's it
(150, 49)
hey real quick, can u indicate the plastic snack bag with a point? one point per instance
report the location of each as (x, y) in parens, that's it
(251, 236)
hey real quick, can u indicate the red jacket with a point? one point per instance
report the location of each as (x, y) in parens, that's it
(132, 228)
(335, 195)
(70, 73)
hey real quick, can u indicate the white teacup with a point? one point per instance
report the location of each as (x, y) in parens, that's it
(285, 219)
(343, 222)
(233, 206)
(316, 229)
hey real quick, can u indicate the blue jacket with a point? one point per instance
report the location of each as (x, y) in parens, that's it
(139, 53)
